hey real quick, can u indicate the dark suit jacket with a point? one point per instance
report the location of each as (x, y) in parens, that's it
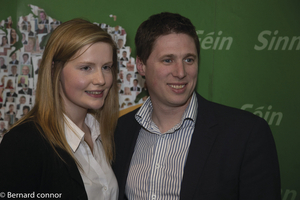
(8, 94)
(14, 62)
(3, 67)
(29, 91)
(137, 89)
(232, 155)
(29, 164)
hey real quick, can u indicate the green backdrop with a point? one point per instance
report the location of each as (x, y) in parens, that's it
(249, 58)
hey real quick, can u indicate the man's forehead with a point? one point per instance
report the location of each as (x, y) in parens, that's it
(171, 43)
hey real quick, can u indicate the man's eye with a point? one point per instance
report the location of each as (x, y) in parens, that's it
(167, 60)
(189, 60)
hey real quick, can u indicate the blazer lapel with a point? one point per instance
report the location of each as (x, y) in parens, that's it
(127, 160)
(202, 141)
(71, 167)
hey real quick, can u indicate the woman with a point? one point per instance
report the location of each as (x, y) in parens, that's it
(9, 84)
(64, 145)
(30, 47)
(2, 81)
(13, 36)
(4, 42)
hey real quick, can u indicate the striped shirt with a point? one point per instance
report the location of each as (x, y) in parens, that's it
(157, 165)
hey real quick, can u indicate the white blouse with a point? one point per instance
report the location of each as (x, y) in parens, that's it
(97, 175)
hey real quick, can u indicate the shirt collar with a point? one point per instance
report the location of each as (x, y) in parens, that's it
(143, 116)
(75, 135)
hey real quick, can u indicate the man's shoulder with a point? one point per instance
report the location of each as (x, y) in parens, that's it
(224, 112)
(130, 116)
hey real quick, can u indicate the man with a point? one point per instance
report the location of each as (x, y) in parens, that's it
(14, 70)
(43, 18)
(11, 93)
(120, 43)
(2, 127)
(135, 86)
(25, 71)
(127, 82)
(22, 100)
(2, 63)
(124, 56)
(30, 33)
(14, 59)
(25, 90)
(179, 145)
(1, 118)
(24, 41)
(22, 82)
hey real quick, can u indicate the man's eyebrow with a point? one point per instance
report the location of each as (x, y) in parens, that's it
(191, 54)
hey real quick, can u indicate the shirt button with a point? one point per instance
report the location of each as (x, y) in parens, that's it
(105, 188)
(157, 166)
(153, 196)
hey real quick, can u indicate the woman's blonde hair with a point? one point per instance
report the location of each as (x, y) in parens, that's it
(66, 40)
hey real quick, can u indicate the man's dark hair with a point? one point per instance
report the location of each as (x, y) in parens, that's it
(26, 107)
(160, 25)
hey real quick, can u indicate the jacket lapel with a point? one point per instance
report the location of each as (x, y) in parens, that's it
(131, 144)
(201, 144)
(71, 167)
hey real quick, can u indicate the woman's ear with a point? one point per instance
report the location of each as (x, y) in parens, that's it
(140, 66)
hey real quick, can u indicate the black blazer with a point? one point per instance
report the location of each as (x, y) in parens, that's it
(232, 155)
(29, 164)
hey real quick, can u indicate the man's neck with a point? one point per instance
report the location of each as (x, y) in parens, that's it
(166, 117)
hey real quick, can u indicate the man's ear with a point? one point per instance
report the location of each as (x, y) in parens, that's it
(140, 66)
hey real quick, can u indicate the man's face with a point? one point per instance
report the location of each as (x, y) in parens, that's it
(29, 27)
(14, 69)
(135, 83)
(42, 16)
(120, 43)
(25, 70)
(22, 100)
(128, 77)
(124, 54)
(171, 70)
(14, 56)
(22, 80)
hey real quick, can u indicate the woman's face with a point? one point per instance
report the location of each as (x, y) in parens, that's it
(9, 83)
(86, 80)
(13, 33)
(4, 40)
(29, 47)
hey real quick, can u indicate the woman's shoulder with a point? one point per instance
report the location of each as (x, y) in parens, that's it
(25, 135)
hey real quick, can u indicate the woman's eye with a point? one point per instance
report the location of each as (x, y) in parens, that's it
(106, 67)
(85, 68)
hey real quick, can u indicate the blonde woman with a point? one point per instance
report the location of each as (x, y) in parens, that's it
(64, 145)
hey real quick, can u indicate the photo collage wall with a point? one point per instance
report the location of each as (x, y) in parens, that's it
(21, 51)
